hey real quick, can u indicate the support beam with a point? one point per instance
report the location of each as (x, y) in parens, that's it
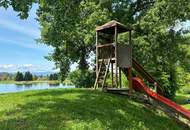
(116, 62)
(130, 79)
(130, 69)
(120, 85)
(130, 43)
(97, 55)
(112, 75)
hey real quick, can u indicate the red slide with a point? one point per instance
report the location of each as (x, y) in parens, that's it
(138, 85)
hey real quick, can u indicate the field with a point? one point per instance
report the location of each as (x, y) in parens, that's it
(78, 109)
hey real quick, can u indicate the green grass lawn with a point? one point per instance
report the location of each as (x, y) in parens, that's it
(181, 99)
(78, 109)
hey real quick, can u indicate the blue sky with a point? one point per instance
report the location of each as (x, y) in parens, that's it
(18, 48)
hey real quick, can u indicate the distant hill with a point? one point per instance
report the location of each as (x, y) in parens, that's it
(42, 73)
(5, 73)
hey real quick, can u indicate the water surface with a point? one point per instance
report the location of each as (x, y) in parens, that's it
(5, 88)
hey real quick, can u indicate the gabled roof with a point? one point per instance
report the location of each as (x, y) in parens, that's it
(110, 27)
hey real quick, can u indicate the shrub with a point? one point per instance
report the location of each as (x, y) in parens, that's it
(169, 84)
(82, 78)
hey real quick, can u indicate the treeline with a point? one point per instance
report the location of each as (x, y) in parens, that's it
(27, 76)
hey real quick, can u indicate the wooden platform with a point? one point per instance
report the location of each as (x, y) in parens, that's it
(117, 90)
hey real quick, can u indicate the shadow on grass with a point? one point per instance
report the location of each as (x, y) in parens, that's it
(82, 109)
(182, 99)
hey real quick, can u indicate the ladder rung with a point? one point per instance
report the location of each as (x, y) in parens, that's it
(106, 45)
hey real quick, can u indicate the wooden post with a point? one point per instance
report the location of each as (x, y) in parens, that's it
(130, 69)
(108, 66)
(112, 74)
(97, 55)
(120, 78)
(116, 64)
(130, 79)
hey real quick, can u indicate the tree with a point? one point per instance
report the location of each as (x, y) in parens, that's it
(82, 78)
(68, 26)
(22, 7)
(153, 21)
(70, 46)
(19, 76)
(28, 76)
(53, 77)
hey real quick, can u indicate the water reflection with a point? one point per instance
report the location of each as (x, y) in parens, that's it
(54, 85)
(23, 87)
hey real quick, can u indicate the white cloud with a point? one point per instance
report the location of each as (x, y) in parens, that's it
(26, 67)
(21, 28)
(26, 44)
(7, 66)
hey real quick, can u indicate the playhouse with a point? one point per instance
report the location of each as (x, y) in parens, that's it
(113, 57)
(109, 53)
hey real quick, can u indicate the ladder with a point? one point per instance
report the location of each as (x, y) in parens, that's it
(102, 73)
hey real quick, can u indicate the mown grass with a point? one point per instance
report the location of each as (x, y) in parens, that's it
(78, 109)
(181, 98)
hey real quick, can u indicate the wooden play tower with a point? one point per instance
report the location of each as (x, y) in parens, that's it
(110, 52)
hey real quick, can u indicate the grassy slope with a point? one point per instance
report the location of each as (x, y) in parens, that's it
(182, 100)
(77, 109)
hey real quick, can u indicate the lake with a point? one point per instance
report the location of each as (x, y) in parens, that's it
(5, 88)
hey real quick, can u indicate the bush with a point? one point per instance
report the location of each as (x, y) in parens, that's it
(82, 78)
(169, 84)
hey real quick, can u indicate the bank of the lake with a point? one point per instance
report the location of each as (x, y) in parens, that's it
(29, 82)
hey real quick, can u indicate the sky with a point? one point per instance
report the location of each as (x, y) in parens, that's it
(18, 48)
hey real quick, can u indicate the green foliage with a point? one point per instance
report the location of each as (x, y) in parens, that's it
(22, 7)
(19, 76)
(69, 27)
(156, 43)
(28, 76)
(78, 109)
(124, 80)
(53, 76)
(82, 78)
